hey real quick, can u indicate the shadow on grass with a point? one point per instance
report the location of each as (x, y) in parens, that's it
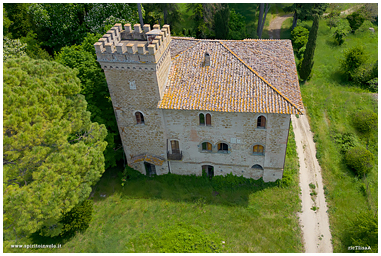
(227, 190)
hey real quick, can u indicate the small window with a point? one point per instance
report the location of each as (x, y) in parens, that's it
(258, 150)
(261, 122)
(257, 166)
(206, 146)
(223, 148)
(175, 147)
(139, 118)
(202, 119)
(208, 119)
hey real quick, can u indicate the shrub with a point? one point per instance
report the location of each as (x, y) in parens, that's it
(341, 31)
(131, 174)
(365, 73)
(363, 231)
(346, 141)
(353, 58)
(372, 85)
(365, 121)
(355, 20)
(77, 219)
(299, 37)
(360, 159)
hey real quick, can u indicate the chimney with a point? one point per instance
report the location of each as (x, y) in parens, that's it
(207, 59)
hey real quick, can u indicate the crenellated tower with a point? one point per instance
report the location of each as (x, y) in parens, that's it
(136, 64)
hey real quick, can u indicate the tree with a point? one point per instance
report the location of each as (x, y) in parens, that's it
(308, 59)
(305, 11)
(341, 31)
(203, 17)
(353, 58)
(52, 152)
(334, 15)
(299, 37)
(221, 22)
(365, 121)
(101, 15)
(59, 24)
(237, 26)
(262, 18)
(94, 87)
(18, 15)
(355, 20)
(140, 14)
(13, 48)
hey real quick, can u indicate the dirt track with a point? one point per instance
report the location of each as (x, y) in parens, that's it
(314, 223)
(313, 218)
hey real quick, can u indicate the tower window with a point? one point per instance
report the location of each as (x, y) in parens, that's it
(139, 118)
(258, 150)
(261, 122)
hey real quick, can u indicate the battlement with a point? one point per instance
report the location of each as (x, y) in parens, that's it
(133, 46)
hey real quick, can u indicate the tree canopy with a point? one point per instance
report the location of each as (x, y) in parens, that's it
(52, 152)
(94, 87)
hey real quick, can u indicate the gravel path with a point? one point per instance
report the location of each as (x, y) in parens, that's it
(275, 26)
(313, 218)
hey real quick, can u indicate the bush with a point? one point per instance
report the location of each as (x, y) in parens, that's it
(363, 231)
(355, 20)
(77, 219)
(372, 85)
(299, 37)
(353, 58)
(365, 73)
(131, 174)
(346, 141)
(360, 159)
(341, 31)
(365, 121)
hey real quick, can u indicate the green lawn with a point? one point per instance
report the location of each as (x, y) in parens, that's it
(330, 103)
(161, 213)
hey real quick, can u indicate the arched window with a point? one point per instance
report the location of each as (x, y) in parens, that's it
(208, 119)
(258, 150)
(202, 119)
(223, 148)
(257, 166)
(206, 146)
(139, 118)
(261, 122)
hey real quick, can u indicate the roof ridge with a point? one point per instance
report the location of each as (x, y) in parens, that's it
(283, 96)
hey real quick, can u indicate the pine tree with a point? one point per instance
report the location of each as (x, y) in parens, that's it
(308, 59)
(52, 152)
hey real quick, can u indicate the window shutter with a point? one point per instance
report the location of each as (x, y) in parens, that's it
(209, 147)
(202, 119)
(208, 119)
(138, 119)
(263, 121)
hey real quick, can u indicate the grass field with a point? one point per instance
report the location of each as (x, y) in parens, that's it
(330, 103)
(167, 213)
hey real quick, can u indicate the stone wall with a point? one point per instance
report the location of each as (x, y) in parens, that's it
(240, 132)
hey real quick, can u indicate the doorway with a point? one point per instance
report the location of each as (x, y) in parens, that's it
(209, 170)
(150, 169)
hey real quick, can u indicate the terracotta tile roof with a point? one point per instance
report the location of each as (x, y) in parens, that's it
(237, 80)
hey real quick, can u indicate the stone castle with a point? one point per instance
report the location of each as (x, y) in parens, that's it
(186, 105)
